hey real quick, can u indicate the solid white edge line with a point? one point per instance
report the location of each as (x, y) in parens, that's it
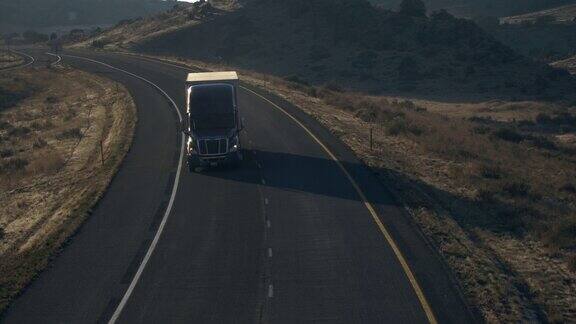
(57, 61)
(158, 234)
(32, 60)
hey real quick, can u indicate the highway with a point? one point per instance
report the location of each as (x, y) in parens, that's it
(302, 232)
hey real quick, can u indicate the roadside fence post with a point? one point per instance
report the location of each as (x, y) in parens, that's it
(371, 138)
(102, 151)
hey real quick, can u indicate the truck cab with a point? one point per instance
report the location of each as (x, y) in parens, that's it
(212, 123)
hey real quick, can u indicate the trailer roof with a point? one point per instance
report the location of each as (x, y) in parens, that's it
(212, 76)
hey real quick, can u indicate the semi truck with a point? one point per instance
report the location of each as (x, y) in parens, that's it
(212, 123)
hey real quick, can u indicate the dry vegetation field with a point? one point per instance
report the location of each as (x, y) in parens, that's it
(8, 59)
(63, 135)
(491, 184)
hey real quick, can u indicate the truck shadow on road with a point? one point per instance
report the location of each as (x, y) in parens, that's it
(322, 176)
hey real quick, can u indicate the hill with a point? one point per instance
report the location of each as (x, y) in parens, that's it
(564, 14)
(30, 14)
(546, 35)
(352, 44)
(471, 8)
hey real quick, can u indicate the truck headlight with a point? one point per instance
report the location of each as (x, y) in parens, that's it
(233, 143)
(191, 145)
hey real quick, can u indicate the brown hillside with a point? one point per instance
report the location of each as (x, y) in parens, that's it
(357, 46)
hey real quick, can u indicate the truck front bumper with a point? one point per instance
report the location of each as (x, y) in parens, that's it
(232, 158)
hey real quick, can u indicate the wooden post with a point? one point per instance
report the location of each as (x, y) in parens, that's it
(371, 138)
(102, 151)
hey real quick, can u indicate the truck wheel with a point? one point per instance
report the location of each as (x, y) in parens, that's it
(192, 168)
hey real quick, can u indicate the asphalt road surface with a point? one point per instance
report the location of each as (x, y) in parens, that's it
(286, 238)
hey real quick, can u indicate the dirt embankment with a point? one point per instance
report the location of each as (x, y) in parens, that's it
(63, 135)
(491, 184)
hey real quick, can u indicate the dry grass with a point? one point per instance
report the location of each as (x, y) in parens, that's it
(51, 173)
(500, 211)
(9, 59)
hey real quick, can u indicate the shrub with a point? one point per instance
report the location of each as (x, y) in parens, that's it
(543, 119)
(39, 143)
(98, 43)
(481, 130)
(5, 125)
(484, 194)
(516, 189)
(6, 153)
(509, 135)
(490, 172)
(543, 142)
(51, 100)
(396, 127)
(569, 187)
(332, 86)
(296, 79)
(70, 133)
(19, 131)
(12, 165)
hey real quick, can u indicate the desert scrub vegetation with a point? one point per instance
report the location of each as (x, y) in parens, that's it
(53, 124)
(9, 59)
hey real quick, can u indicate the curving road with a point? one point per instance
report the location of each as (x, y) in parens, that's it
(301, 233)
(27, 61)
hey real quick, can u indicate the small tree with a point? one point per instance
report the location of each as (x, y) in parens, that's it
(415, 8)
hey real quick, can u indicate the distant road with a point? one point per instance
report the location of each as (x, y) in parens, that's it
(28, 60)
(287, 238)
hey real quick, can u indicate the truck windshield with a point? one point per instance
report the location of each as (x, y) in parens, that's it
(212, 106)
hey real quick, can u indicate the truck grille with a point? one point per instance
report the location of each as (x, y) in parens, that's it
(213, 146)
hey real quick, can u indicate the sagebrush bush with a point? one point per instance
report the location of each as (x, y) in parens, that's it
(516, 189)
(70, 133)
(13, 164)
(508, 134)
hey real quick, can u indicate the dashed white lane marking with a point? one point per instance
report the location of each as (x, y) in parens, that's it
(158, 234)
(269, 252)
(270, 291)
(266, 201)
(268, 224)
